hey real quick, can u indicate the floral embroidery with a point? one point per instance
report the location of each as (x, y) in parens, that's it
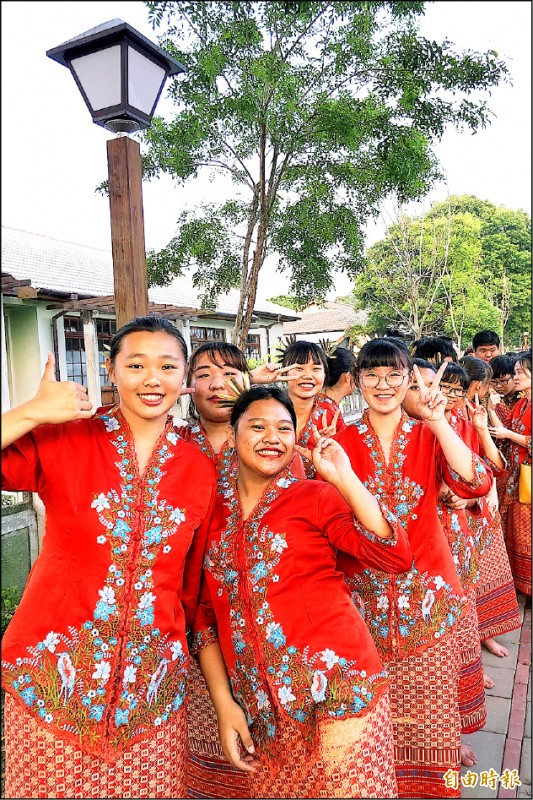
(516, 451)
(66, 678)
(270, 672)
(410, 610)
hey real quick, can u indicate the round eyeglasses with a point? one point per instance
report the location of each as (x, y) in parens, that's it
(371, 380)
(451, 391)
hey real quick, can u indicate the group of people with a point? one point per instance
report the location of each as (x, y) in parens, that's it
(262, 600)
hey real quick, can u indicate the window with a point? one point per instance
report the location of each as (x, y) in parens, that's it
(202, 335)
(75, 353)
(252, 348)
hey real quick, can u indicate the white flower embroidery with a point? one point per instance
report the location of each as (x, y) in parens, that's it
(262, 700)
(383, 602)
(146, 600)
(278, 543)
(329, 657)
(362, 428)
(439, 582)
(285, 695)
(177, 650)
(172, 437)
(130, 674)
(51, 641)
(102, 671)
(177, 516)
(111, 424)
(100, 503)
(403, 601)
(406, 427)
(283, 483)
(108, 595)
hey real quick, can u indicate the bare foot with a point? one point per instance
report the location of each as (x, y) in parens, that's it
(495, 647)
(488, 683)
(468, 757)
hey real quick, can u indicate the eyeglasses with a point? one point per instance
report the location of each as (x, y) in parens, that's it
(498, 381)
(451, 391)
(371, 381)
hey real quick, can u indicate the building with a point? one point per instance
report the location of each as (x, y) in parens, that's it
(58, 296)
(329, 321)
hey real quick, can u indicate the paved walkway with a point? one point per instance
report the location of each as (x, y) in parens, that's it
(504, 744)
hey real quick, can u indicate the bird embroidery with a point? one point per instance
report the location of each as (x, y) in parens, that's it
(427, 604)
(155, 681)
(67, 673)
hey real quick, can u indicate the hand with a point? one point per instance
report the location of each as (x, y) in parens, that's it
(59, 401)
(270, 373)
(328, 457)
(479, 416)
(454, 502)
(187, 390)
(431, 403)
(494, 398)
(492, 503)
(331, 429)
(499, 432)
(232, 730)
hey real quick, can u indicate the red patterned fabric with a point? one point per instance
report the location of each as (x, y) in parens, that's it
(426, 721)
(351, 758)
(471, 689)
(97, 648)
(292, 640)
(517, 516)
(496, 601)
(41, 764)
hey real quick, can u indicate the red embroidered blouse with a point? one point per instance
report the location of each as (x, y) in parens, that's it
(407, 613)
(97, 648)
(291, 638)
(322, 403)
(519, 421)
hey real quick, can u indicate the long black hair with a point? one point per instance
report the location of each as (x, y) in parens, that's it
(341, 361)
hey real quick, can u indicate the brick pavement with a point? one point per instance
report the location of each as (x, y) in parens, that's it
(505, 741)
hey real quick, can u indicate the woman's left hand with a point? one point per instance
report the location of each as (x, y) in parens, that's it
(328, 457)
(431, 403)
(479, 416)
(270, 373)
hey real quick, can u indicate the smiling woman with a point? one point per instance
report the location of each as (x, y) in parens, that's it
(95, 660)
(311, 706)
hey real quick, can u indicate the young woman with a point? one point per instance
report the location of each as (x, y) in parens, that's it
(517, 430)
(341, 375)
(413, 616)
(307, 368)
(95, 660)
(308, 697)
(497, 604)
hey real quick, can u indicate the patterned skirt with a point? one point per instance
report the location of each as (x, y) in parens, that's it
(209, 774)
(496, 602)
(471, 689)
(426, 721)
(351, 758)
(39, 764)
(518, 542)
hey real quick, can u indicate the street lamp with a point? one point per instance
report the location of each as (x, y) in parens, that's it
(120, 74)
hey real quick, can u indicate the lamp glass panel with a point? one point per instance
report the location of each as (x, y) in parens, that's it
(144, 81)
(99, 74)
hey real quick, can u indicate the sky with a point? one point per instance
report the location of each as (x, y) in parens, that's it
(53, 156)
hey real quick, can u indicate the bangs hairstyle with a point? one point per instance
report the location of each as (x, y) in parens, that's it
(524, 359)
(301, 352)
(148, 324)
(221, 354)
(245, 399)
(454, 373)
(382, 352)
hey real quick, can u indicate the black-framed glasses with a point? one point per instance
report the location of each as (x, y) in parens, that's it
(452, 391)
(371, 380)
(500, 381)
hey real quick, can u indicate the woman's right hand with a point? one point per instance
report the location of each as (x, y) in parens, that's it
(232, 730)
(58, 401)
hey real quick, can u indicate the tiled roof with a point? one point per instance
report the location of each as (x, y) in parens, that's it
(58, 266)
(331, 317)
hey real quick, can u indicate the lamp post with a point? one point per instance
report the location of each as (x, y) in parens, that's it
(120, 74)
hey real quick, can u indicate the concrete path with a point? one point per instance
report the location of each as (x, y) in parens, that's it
(504, 744)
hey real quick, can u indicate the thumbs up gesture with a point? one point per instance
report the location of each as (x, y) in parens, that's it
(59, 401)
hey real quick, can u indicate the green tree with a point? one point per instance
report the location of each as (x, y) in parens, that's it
(317, 111)
(462, 267)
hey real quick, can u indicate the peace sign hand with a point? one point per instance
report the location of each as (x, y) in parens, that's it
(431, 403)
(270, 373)
(479, 416)
(328, 457)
